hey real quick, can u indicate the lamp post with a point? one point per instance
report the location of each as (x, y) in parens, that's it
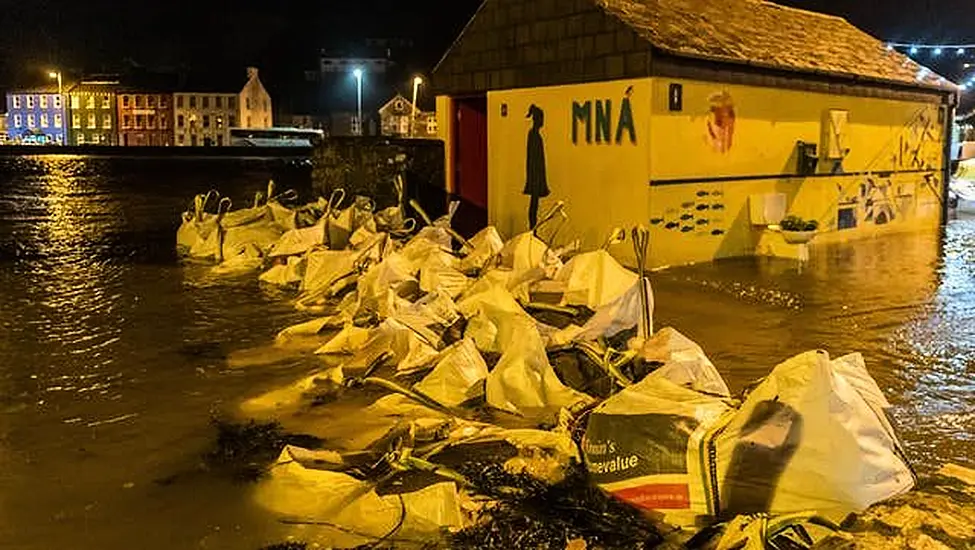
(358, 84)
(57, 75)
(416, 87)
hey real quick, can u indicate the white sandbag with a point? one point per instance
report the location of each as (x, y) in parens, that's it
(341, 228)
(261, 235)
(327, 266)
(360, 515)
(523, 382)
(298, 241)
(487, 244)
(308, 329)
(594, 279)
(349, 340)
(409, 349)
(684, 363)
(525, 252)
(457, 375)
(439, 271)
(290, 273)
(282, 215)
(246, 216)
(489, 316)
(429, 316)
(621, 314)
(808, 439)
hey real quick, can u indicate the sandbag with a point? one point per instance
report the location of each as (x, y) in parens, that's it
(621, 314)
(457, 376)
(594, 279)
(487, 244)
(298, 241)
(289, 273)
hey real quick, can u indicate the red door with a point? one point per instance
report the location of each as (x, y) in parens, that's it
(470, 152)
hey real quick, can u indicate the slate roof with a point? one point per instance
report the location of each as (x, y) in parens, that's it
(764, 34)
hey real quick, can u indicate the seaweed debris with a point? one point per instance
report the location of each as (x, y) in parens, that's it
(244, 451)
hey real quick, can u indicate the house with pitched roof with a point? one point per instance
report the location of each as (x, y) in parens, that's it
(706, 121)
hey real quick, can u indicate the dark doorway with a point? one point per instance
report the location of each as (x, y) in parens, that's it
(470, 163)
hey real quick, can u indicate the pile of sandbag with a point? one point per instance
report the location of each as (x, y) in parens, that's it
(537, 360)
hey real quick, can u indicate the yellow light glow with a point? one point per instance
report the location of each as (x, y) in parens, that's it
(52, 74)
(417, 81)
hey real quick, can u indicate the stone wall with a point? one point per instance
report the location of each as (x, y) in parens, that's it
(532, 43)
(367, 165)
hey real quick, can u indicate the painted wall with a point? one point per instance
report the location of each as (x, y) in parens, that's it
(204, 119)
(93, 114)
(595, 140)
(36, 117)
(145, 119)
(885, 176)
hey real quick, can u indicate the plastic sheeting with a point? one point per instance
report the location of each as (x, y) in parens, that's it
(624, 313)
(349, 512)
(457, 376)
(594, 279)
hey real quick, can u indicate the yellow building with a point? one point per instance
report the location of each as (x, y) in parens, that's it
(705, 121)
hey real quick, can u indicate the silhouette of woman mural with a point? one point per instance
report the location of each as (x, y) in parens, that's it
(536, 183)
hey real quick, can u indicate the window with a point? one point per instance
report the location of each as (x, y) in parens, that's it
(151, 122)
(125, 101)
(30, 102)
(232, 102)
(205, 102)
(75, 102)
(163, 122)
(58, 122)
(218, 102)
(193, 140)
(140, 121)
(179, 101)
(81, 139)
(91, 120)
(107, 122)
(192, 121)
(248, 103)
(151, 101)
(44, 120)
(231, 120)
(127, 121)
(90, 102)
(57, 102)
(106, 102)
(163, 102)
(18, 121)
(75, 120)
(219, 122)
(220, 139)
(180, 121)
(43, 102)
(192, 102)
(31, 121)
(206, 121)
(180, 139)
(16, 102)
(248, 122)
(138, 101)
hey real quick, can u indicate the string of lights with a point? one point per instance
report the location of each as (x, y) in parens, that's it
(934, 49)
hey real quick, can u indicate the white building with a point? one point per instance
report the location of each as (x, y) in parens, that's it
(204, 112)
(255, 103)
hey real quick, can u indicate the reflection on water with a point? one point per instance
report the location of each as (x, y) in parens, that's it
(112, 357)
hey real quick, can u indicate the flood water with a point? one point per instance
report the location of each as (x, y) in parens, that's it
(113, 358)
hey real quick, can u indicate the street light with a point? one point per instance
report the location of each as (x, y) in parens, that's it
(358, 84)
(57, 75)
(416, 86)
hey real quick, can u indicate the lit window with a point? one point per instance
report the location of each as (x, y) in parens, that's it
(18, 121)
(219, 121)
(58, 122)
(125, 101)
(31, 121)
(180, 121)
(90, 102)
(206, 120)
(81, 139)
(75, 102)
(75, 120)
(44, 120)
(205, 102)
(91, 121)
(106, 102)
(43, 101)
(107, 122)
(30, 102)
(16, 102)
(127, 121)
(431, 125)
(57, 102)
(179, 102)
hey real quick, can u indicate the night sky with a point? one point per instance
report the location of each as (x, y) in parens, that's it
(282, 36)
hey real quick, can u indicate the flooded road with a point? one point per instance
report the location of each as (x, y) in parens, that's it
(113, 358)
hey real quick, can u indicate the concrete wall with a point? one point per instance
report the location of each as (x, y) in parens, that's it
(602, 179)
(890, 179)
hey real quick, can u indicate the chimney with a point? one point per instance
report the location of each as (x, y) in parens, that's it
(251, 73)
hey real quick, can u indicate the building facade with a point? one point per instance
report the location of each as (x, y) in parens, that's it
(606, 105)
(204, 119)
(36, 117)
(255, 103)
(145, 118)
(93, 113)
(397, 117)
